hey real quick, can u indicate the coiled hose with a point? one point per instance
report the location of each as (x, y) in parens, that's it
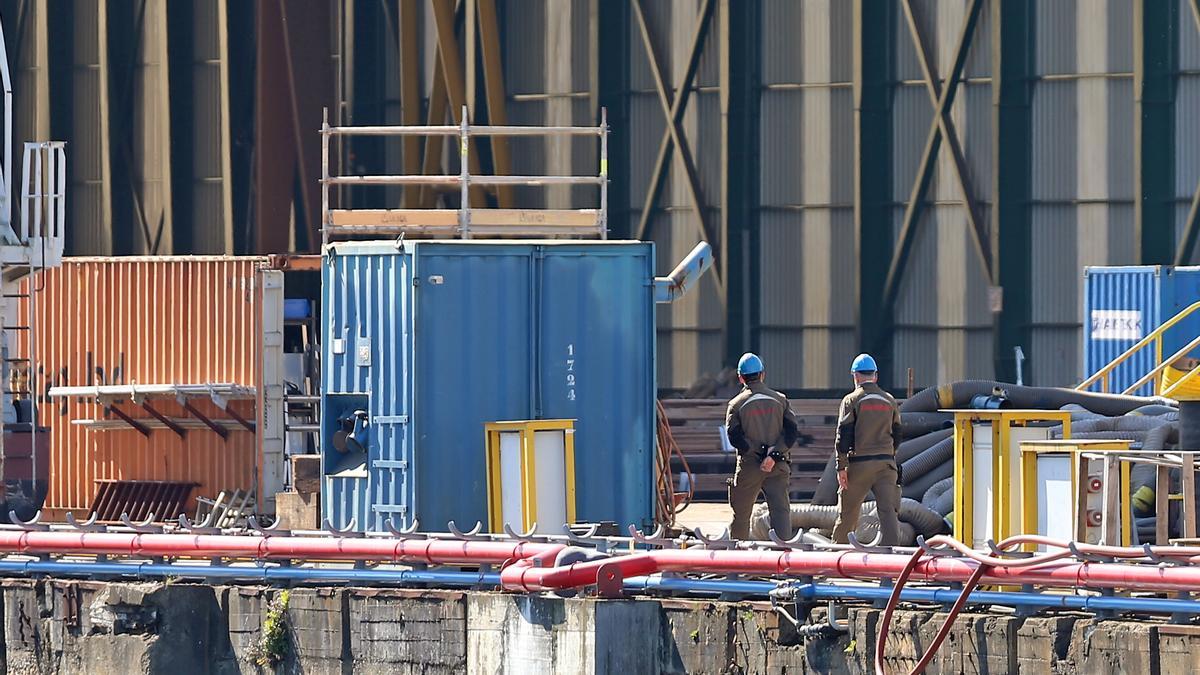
(959, 394)
(917, 424)
(932, 457)
(826, 492)
(915, 489)
(809, 517)
(935, 493)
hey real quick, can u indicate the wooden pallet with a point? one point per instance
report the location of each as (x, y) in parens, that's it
(695, 424)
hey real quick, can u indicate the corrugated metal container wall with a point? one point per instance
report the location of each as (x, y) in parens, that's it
(690, 331)
(1082, 211)
(806, 268)
(1187, 133)
(486, 332)
(165, 320)
(951, 338)
(1122, 305)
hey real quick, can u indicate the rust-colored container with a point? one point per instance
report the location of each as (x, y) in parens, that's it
(141, 320)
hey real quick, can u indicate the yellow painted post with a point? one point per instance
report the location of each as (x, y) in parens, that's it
(1126, 507)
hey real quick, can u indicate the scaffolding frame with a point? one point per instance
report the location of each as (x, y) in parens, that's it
(464, 222)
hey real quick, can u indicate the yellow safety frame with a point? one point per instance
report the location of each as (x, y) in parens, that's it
(1076, 448)
(527, 429)
(964, 463)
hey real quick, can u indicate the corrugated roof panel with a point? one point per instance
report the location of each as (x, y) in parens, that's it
(1056, 136)
(1187, 135)
(1054, 357)
(1055, 36)
(907, 65)
(524, 45)
(911, 116)
(920, 278)
(916, 349)
(1189, 38)
(781, 52)
(781, 302)
(1054, 264)
(973, 120)
(646, 128)
(1119, 140)
(780, 156)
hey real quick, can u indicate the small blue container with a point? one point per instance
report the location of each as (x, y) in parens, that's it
(296, 310)
(434, 339)
(1124, 304)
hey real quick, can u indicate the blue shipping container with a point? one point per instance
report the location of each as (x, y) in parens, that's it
(434, 339)
(1124, 304)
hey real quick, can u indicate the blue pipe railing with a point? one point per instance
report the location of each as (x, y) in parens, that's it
(1093, 603)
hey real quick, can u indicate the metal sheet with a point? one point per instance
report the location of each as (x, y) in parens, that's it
(1056, 36)
(152, 321)
(1189, 38)
(491, 317)
(1187, 135)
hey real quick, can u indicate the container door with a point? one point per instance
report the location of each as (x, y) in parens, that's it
(365, 360)
(473, 339)
(596, 344)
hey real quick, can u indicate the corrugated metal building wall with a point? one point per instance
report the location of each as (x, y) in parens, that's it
(806, 251)
(1083, 185)
(794, 290)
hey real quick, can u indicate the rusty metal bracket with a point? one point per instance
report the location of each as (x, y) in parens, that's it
(141, 428)
(179, 431)
(217, 428)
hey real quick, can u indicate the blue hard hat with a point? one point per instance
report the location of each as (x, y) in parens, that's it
(749, 364)
(863, 363)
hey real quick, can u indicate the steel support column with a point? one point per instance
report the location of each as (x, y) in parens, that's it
(1155, 38)
(874, 22)
(738, 22)
(1012, 158)
(456, 87)
(612, 85)
(410, 95)
(493, 83)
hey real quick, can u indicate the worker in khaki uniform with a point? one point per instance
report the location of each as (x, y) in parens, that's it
(868, 435)
(762, 427)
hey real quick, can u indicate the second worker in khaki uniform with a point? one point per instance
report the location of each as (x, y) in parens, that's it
(868, 434)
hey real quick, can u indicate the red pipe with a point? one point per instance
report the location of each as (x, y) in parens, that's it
(846, 564)
(433, 551)
(852, 564)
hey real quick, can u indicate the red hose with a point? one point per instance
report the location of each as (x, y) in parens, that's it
(946, 626)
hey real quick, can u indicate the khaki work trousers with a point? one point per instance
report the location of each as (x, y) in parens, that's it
(879, 476)
(748, 480)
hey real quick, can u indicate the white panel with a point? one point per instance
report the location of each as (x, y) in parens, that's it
(982, 517)
(1055, 500)
(550, 467)
(511, 511)
(1017, 436)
